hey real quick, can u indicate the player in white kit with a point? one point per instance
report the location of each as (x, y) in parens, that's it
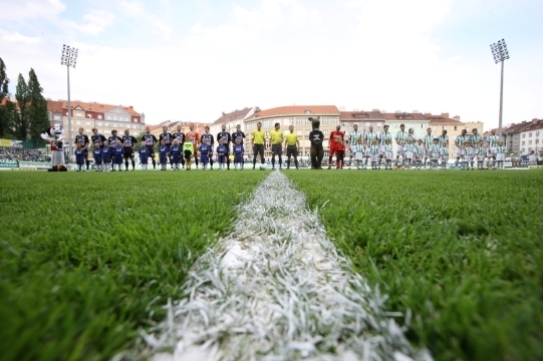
(354, 137)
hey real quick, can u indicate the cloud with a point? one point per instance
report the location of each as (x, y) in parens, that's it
(136, 10)
(18, 38)
(27, 9)
(94, 22)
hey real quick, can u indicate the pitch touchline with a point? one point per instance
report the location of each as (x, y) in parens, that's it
(276, 289)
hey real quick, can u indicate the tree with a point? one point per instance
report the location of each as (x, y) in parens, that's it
(37, 109)
(22, 124)
(7, 108)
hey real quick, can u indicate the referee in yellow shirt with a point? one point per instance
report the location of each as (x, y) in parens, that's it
(277, 137)
(292, 143)
(257, 141)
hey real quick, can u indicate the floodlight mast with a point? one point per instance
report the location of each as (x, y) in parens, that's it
(500, 53)
(69, 58)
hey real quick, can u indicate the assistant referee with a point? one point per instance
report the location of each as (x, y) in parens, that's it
(292, 143)
(257, 141)
(277, 137)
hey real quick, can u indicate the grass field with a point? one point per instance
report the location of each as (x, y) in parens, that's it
(87, 258)
(462, 250)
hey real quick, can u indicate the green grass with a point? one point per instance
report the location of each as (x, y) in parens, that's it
(461, 250)
(85, 259)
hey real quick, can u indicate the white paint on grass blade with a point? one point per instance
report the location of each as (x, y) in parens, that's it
(276, 289)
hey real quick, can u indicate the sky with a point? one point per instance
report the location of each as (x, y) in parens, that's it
(191, 60)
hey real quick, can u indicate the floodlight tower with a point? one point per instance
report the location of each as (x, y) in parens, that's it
(69, 58)
(499, 50)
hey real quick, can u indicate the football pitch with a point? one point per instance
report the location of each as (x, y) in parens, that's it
(88, 259)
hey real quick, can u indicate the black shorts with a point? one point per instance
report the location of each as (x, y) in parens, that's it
(277, 149)
(292, 150)
(128, 153)
(258, 149)
(151, 151)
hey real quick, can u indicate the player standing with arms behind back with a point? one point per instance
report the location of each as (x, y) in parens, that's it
(354, 137)
(194, 138)
(277, 136)
(258, 138)
(292, 144)
(149, 140)
(316, 137)
(208, 140)
(128, 143)
(224, 138)
(82, 143)
(336, 138)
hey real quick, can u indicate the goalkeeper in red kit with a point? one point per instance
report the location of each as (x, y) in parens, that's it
(336, 147)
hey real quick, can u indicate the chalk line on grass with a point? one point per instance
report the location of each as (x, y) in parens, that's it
(276, 289)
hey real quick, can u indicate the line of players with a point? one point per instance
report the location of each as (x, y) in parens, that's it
(178, 149)
(429, 151)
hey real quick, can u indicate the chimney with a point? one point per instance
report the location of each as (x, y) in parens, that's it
(415, 111)
(131, 107)
(446, 115)
(457, 117)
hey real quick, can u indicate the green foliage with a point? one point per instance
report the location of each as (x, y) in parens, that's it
(37, 110)
(21, 121)
(7, 108)
(87, 258)
(461, 250)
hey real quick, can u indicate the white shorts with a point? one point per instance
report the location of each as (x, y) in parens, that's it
(435, 156)
(493, 151)
(500, 157)
(388, 155)
(375, 157)
(400, 149)
(358, 155)
(353, 149)
(481, 158)
(409, 155)
(467, 157)
(459, 152)
(444, 158)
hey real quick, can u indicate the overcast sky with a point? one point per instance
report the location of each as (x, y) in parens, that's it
(192, 59)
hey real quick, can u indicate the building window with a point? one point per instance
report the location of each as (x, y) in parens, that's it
(530, 134)
(421, 126)
(455, 127)
(529, 142)
(523, 135)
(523, 143)
(307, 112)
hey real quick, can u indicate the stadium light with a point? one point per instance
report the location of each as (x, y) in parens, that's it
(500, 53)
(69, 58)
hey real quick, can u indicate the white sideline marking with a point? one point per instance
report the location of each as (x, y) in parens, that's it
(276, 289)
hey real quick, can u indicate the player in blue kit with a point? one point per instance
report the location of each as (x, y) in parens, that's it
(221, 154)
(207, 138)
(175, 151)
(149, 140)
(97, 154)
(80, 158)
(205, 151)
(82, 142)
(144, 157)
(163, 155)
(118, 156)
(165, 138)
(107, 154)
(238, 153)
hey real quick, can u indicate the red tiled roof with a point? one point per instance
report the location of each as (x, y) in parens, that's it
(534, 125)
(54, 106)
(296, 110)
(235, 115)
(442, 120)
(361, 116)
(91, 107)
(403, 116)
(516, 128)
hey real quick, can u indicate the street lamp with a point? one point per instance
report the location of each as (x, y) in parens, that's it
(500, 53)
(69, 58)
